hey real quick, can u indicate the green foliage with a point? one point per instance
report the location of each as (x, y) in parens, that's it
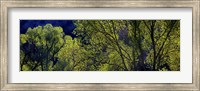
(103, 45)
(40, 46)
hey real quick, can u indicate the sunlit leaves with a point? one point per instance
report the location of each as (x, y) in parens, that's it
(131, 40)
(103, 45)
(42, 45)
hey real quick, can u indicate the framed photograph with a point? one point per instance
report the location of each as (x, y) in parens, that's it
(99, 45)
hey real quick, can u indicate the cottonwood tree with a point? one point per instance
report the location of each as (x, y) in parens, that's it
(103, 45)
(39, 47)
(132, 44)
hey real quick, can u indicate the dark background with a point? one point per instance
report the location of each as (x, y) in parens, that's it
(67, 25)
